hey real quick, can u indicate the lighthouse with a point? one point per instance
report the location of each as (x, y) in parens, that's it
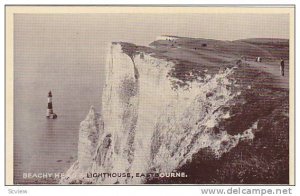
(50, 113)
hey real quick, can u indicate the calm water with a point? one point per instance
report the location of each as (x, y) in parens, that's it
(47, 145)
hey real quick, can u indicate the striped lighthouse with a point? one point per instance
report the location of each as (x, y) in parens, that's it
(50, 113)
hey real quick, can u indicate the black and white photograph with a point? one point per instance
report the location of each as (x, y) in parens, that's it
(151, 96)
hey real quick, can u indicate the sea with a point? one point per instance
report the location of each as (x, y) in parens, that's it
(42, 145)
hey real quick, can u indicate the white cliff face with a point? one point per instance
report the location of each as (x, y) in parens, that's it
(186, 126)
(91, 129)
(148, 126)
(120, 104)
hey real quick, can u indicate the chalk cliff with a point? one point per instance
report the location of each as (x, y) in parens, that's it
(157, 113)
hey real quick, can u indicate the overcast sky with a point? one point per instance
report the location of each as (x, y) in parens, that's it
(74, 44)
(81, 38)
(143, 28)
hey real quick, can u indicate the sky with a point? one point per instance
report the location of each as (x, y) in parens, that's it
(50, 39)
(143, 28)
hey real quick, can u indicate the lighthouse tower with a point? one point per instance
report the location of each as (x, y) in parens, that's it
(50, 113)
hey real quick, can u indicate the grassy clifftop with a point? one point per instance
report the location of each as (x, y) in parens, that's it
(264, 99)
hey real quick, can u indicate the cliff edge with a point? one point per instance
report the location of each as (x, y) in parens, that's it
(182, 104)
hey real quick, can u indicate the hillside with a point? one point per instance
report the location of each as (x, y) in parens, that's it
(198, 106)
